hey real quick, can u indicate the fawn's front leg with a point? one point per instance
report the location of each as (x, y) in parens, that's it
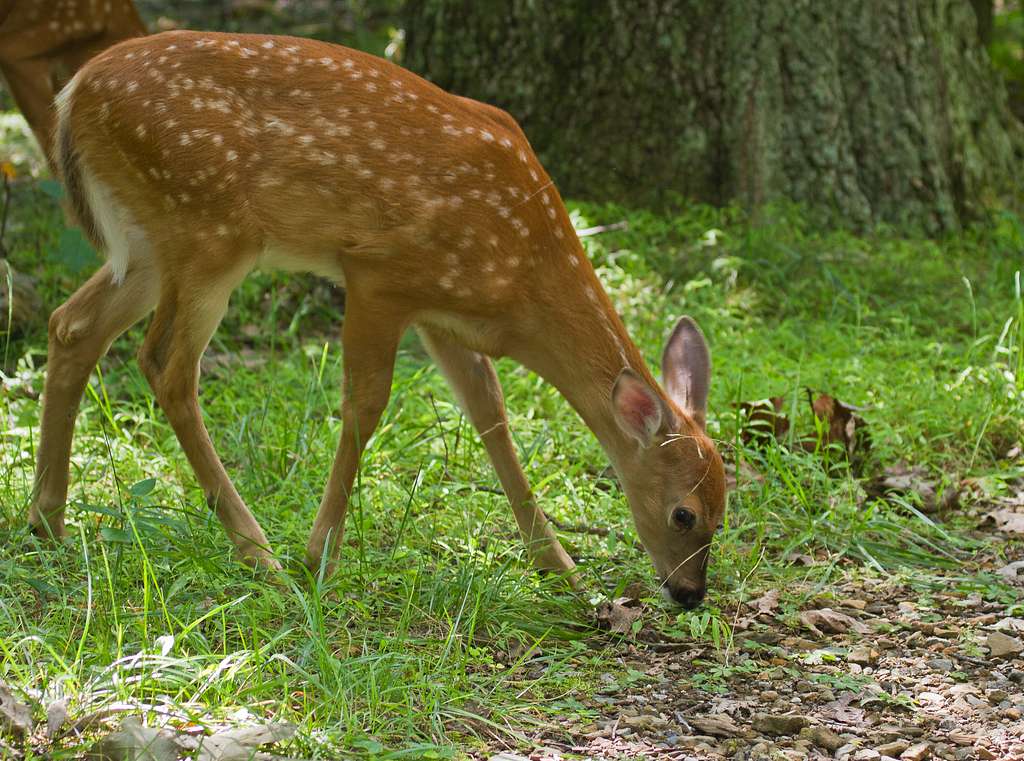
(471, 376)
(369, 341)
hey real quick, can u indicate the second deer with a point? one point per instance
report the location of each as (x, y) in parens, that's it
(193, 158)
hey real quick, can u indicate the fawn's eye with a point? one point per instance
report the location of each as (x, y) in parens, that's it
(683, 518)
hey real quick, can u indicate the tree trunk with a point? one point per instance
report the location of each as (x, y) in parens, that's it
(873, 110)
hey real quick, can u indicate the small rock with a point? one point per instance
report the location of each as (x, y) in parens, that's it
(1001, 645)
(918, 752)
(862, 655)
(823, 737)
(771, 724)
(996, 696)
(961, 738)
(893, 748)
(719, 726)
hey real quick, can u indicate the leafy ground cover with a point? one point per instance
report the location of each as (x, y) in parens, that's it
(435, 639)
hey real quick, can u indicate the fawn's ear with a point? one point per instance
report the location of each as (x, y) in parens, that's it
(686, 368)
(639, 410)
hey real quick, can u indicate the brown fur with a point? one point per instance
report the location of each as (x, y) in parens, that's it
(222, 152)
(43, 43)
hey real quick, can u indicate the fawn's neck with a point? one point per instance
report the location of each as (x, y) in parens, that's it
(583, 359)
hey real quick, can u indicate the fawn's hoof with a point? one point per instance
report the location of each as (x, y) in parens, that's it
(259, 558)
(48, 531)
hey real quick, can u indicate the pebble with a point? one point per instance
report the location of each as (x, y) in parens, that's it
(823, 737)
(862, 655)
(893, 748)
(845, 750)
(996, 696)
(772, 724)
(1001, 645)
(917, 752)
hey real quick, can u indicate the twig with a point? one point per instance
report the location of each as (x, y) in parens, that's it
(3, 214)
(592, 530)
(588, 231)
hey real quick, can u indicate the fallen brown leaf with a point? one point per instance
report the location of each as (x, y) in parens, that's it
(1013, 571)
(1006, 520)
(828, 621)
(905, 480)
(763, 420)
(616, 617)
(842, 426)
(15, 716)
(716, 726)
(766, 603)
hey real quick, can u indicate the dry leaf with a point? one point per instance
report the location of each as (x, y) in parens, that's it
(763, 420)
(842, 425)
(766, 603)
(828, 621)
(902, 479)
(616, 617)
(716, 726)
(1013, 571)
(840, 711)
(1006, 520)
(237, 744)
(136, 742)
(56, 715)
(15, 716)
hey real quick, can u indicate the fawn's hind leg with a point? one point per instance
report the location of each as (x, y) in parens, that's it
(81, 330)
(192, 303)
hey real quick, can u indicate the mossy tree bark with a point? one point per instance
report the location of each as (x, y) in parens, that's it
(874, 110)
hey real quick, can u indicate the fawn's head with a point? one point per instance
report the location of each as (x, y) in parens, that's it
(676, 482)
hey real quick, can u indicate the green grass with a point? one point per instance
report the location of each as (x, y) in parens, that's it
(415, 647)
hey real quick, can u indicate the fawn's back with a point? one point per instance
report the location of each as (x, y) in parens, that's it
(311, 155)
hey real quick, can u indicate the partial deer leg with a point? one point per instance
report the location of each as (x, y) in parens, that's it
(369, 340)
(29, 83)
(472, 378)
(186, 316)
(81, 331)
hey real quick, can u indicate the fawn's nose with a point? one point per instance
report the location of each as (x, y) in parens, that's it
(687, 597)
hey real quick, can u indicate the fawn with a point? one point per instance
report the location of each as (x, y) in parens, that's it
(193, 158)
(44, 42)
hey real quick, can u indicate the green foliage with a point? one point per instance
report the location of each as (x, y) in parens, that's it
(1007, 46)
(435, 632)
